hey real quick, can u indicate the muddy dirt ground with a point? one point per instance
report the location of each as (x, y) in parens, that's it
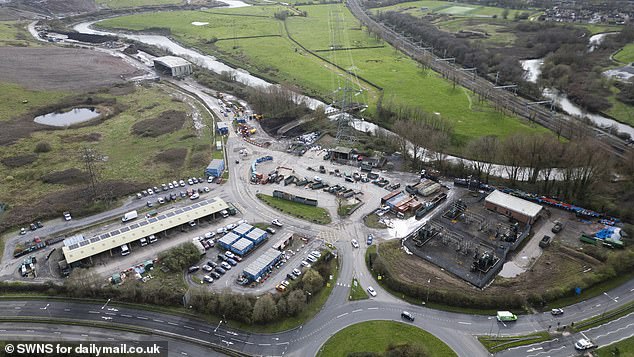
(55, 68)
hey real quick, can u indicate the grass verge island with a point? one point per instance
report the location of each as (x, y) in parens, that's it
(379, 338)
(310, 213)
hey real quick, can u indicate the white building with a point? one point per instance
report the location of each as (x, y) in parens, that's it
(174, 66)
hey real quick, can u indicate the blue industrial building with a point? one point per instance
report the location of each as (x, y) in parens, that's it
(227, 240)
(263, 265)
(215, 168)
(222, 127)
(257, 236)
(242, 246)
(243, 229)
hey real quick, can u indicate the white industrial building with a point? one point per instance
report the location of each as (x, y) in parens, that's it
(172, 65)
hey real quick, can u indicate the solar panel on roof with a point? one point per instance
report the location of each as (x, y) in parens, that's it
(105, 235)
(83, 243)
(95, 240)
(136, 225)
(74, 246)
(143, 223)
(187, 209)
(114, 233)
(125, 229)
(170, 214)
(152, 220)
(161, 217)
(180, 210)
(195, 205)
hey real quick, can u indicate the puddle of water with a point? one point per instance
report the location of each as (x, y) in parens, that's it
(73, 116)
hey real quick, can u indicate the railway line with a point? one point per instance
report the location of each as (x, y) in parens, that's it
(503, 99)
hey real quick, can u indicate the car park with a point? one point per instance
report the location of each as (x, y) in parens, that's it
(229, 254)
(210, 235)
(207, 268)
(225, 265)
(231, 226)
(306, 264)
(193, 269)
(354, 243)
(296, 272)
(315, 254)
(370, 239)
(371, 291)
(208, 279)
(214, 275)
(407, 316)
(311, 259)
(277, 222)
(232, 262)
(222, 257)
(556, 312)
(219, 270)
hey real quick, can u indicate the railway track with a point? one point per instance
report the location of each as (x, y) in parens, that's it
(503, 99)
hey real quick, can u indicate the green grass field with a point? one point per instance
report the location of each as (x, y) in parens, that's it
(626, 54)
(496, 344)
(357, 292)
(624, 348)
(422, 8)
(12, 97)
(277, 58)
(128, 157)
(15, 33)
(117, 4)
(497, 29)
(376, 336)
(299, 210)
(620, 110)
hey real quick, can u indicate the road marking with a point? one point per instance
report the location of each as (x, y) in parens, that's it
(84, 335)
(281, 343)
(203, 331)
(66, 310)
(126, 315)
(141, 317)
(248, 343)
(235, 339)
(534, 349)
(342, 315)
(188, 327)
(30, 331)
(173, 324)
(464, 323)
(264, 344)
(357, 310)
(57, 332)
(94, 312)
(183, 353)
(217, 335)
(17, 308)
(155, 320)
(111, 313)
(373, 308)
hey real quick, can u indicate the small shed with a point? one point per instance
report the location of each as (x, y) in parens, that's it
(341, 153)
(242, 246)
(227, 240)
(262, 265)
(256, 236)
(243, 229)
(517, 208)
(215, 168)
(283, 242)
(222, 127)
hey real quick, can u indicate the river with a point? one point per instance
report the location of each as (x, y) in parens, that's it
(533, 71)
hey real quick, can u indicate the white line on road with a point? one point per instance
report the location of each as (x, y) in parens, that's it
(141, 317)
(357, 310)
(264, 344)
(464, 323)
(110, 313)
(94, 312)
(66, 310)
(188, 327)
(235, 339)
(248, 343)
(155, 320)
(281, 343)
(203, 331)
(126, 315)
(173, 324)
(373, 308)
(342, 315)
(539, 353)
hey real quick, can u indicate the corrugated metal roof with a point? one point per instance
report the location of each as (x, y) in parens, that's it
(256, 234)
(142, 228)
(172, 61)
(229, 238)
(242, 244)
(513, 203)
(264, 260)
(243, 229)
(216, 164)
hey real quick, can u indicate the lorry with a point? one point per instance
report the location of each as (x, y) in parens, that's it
(198, 246)
(125, 250)
(129, 216)
(506, 316)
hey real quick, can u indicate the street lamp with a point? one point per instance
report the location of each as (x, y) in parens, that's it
(428, 282)
(607, 304)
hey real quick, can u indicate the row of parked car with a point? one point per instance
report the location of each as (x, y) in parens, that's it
(312, 257)
(215, 269)
(172, 185)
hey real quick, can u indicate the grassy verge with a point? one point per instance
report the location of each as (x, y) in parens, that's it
(626, 54)
(496, 344)
(622, 348)
(372, 221)
(312, 308)
(118, 4)
(356, 291)
(593, 291)
(310, 213)
(377, 336)
(604, 318)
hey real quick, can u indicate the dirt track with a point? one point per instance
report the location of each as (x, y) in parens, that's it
(57, 68)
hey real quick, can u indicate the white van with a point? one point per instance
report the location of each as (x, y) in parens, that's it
(152, 238)
(125, 250)
(143, 241)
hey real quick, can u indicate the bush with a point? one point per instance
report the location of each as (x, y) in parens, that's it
(180, 257)
(42, 146)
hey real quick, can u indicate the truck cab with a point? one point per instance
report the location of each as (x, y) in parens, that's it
(224, 213)
(152, 238)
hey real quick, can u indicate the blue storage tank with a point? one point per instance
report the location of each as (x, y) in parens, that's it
(242, 246)
(257, 236)
(215, 168)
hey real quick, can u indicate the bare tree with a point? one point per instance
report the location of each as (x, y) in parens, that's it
(484, 151)
(512, 157)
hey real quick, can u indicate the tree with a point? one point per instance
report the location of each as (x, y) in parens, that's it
(281, 307)
(505, 14)
(296, 302)
(180, 257)
(484, 151)
(264, 309)
(313, 282)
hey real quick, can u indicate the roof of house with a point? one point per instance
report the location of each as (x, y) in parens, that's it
(513, 203)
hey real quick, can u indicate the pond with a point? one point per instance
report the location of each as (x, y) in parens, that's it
(67, 118)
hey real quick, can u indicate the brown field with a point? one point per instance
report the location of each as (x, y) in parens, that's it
(166, 122)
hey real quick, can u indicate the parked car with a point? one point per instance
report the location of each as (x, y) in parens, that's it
(371, 291)
(150, 191)
(306, 264)
(208, 279)
(219, 270)
(194, 196)
(192, 223)
(215, 275)
(221, 230)
(190, 182)
(296, 272)
(209, 235)
(232, 262)
(315, 254)
(407, 316)
(212, 263)
(545, 242)
(229, 254)
(193, 269)
(210, 179)
(225, 265)
(311, 259)
(181, 183)
(67, 216)
(231, 226)
(354, 243)
(222, 257)
(161, 200)
(369, 239)
(557, 227)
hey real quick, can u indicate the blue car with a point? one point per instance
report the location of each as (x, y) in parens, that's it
(370, 239)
